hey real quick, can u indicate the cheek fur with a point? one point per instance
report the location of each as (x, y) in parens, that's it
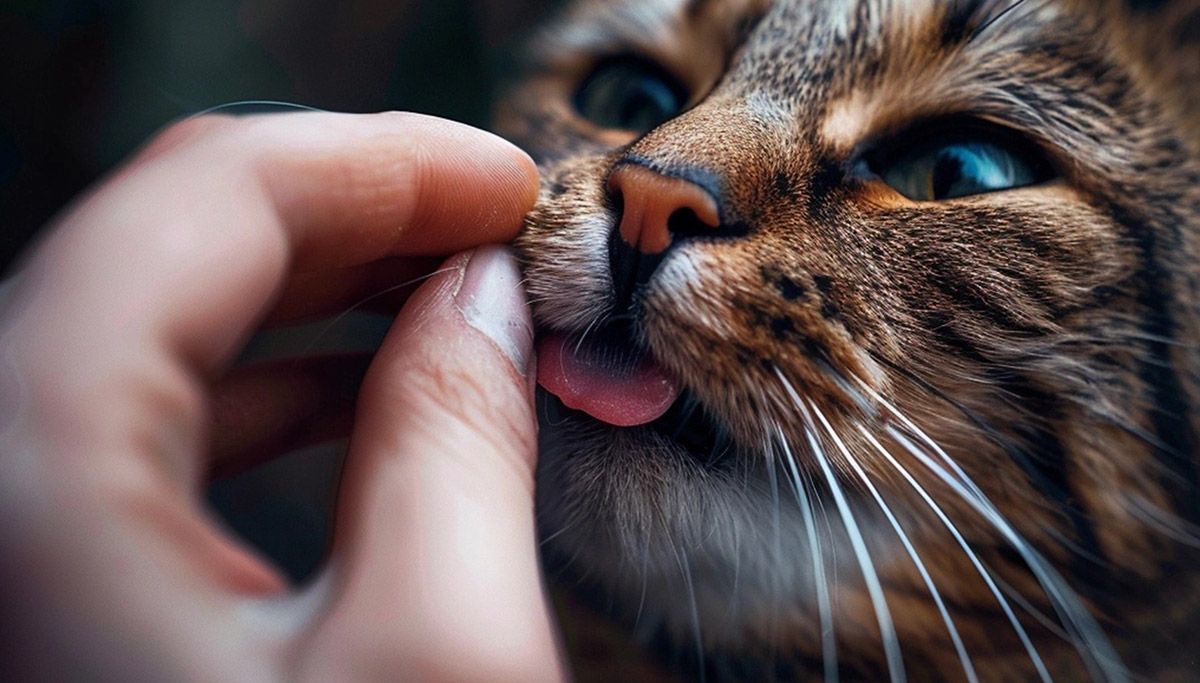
(916, 390)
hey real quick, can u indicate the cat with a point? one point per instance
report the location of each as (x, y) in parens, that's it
(868, 335)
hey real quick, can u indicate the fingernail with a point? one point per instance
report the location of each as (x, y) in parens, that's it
(492, 301)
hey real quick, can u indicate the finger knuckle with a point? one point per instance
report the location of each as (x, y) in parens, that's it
(452, 391)
(493, 414)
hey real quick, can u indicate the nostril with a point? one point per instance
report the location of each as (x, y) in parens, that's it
(630, 270)
(655, 211)
(646, 201)
(684, 224)
(617, 201)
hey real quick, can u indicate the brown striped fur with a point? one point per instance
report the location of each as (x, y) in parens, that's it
(1045, 338)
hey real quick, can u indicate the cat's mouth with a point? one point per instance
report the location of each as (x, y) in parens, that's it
(608, 378)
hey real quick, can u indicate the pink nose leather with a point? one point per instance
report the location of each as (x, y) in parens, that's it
(650, 199)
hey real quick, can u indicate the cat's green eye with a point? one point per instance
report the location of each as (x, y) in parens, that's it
(962, 163)
(629, 94)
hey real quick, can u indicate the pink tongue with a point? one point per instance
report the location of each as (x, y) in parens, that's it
(621, 391)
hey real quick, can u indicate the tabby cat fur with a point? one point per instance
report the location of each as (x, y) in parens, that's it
(1010, 378)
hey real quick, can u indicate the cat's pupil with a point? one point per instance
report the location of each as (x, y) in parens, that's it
(649, 105)
(968, 169)
(628, 94)
(946, 174)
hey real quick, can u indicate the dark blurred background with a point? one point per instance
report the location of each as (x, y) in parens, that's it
(84, 82)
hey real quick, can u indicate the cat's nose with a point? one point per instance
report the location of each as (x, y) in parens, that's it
(650, 202)
(656, 210)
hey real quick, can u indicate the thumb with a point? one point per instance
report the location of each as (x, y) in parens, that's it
(435, 566)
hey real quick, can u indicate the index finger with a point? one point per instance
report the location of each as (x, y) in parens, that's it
(352, 188)
(395, 184)
(190, 242)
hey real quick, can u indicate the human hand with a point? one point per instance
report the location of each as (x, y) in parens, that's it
(117, 399)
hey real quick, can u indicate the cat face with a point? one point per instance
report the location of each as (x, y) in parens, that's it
(921, 280)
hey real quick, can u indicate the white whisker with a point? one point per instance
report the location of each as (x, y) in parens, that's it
(891, 641)
(686, 570)
(1170, 525)
(586, 331)
(564, 529)
(250, 104)
(353, 307)
(1029, 608)
(887, 629)
(824, 608)
(776, 588)
(737, 568)
(966, 548)
(637, 620)
(963, 657)
(1099, 657)
(1087, 635)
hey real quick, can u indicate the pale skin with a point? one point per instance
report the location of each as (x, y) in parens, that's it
(117, 399)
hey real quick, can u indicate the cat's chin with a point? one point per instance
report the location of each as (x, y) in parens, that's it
(687, 426)
(639, 516)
